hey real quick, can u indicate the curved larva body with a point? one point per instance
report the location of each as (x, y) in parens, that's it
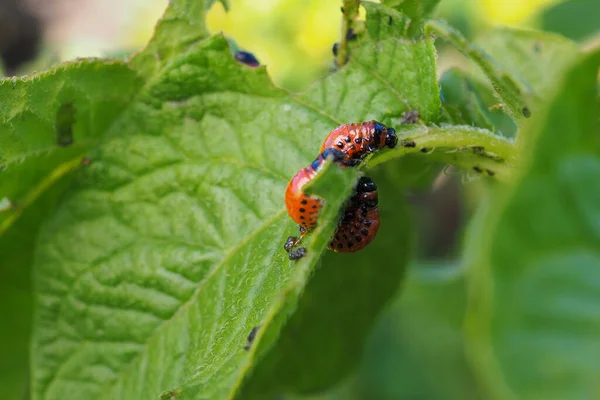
(356, 140)
(302, 208)
(360, 220)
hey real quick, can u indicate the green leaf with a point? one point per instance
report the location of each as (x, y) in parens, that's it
(181, 27)
(560, 17)
(469, 101)
(417, 349)
(462, 146)
(49, 120)
(372, 75)
(536, 263)
(16, 292)
(501, 80)
(168, 250)
(534, 59)
(417, 9)
(320, 344)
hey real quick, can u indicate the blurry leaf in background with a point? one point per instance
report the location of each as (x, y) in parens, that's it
(535, 59)
(467, 100)
(575, 19)
(533, 250)
(511, 13)
(417, 349)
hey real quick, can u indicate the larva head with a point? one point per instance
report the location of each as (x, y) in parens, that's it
(384, 136)
(334, 154)
(365, 185)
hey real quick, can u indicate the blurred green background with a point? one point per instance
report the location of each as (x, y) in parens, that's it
(416, 350)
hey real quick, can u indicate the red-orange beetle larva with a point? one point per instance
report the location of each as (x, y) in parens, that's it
(356, 140)
(360, 220)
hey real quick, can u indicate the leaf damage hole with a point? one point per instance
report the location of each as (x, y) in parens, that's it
(65, 119)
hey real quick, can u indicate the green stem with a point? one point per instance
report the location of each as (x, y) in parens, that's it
(504, 85)
(465, 147)
(350, 12)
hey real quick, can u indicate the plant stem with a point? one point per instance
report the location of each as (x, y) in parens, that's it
(349, 14)
(465, 147)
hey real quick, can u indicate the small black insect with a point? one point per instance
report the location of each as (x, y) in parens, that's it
(408, 143)
(247, 58)
(250, 338)
(350, 35)
(477, 169)
(298, 254)
(335, 48)
(410, 117)
(290, 243)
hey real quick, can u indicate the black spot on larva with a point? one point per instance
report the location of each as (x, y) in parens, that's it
(363, 212)
(348, 139)
(364, 232)
(371, 203)
(314, 206)
(340, 145)
(526, 112)
(305, 202)
(357, 226)
(345, 236)
(490, 173)
(352, 231)
(350, 244)
(340, 246)
(302, 217)
(367, 223)
(360, 220)
(65, 119)
(358, 238)
(302, 209)
(357, 140)
(477, 169)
